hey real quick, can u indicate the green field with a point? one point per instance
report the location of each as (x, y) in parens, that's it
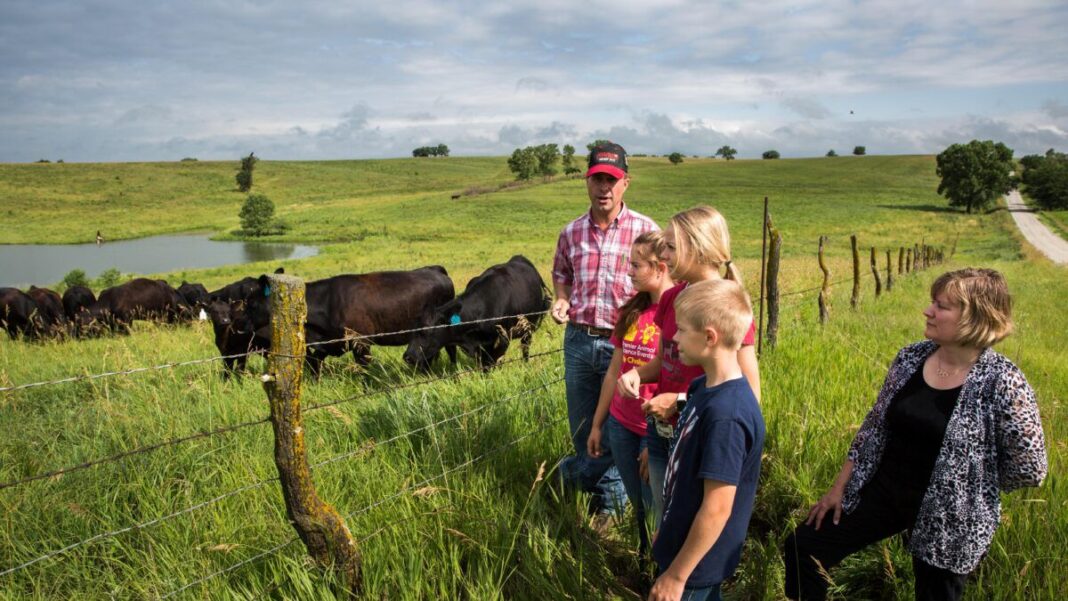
(455, 510)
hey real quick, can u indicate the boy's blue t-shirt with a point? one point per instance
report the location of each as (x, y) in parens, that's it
(720, 436)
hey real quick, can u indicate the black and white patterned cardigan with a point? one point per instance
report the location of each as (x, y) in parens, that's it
(993, 443)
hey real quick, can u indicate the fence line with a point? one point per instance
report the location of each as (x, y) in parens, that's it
(407, 489)
(263, 482)
(243, 425)
(173, 365)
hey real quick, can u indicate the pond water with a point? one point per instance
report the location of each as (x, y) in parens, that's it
(46, 264)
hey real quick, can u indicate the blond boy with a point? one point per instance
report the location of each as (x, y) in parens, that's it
(714, 464)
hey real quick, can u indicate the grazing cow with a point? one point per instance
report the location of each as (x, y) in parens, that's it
(235, 334)
(53, 320)
(18, 313)
(512, 288)
(76, 299)
(239, 290)
(196, 296)
(140, 298)
(365, 304)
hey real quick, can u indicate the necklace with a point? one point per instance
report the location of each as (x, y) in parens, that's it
(942, 373)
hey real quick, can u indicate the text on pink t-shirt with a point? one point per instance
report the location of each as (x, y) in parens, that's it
(638, 347)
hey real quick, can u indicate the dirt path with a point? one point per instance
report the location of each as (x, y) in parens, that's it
(1048, 243)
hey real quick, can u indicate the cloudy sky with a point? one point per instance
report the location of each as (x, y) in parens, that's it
(110, 80)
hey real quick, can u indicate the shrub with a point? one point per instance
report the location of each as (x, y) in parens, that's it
(1047, 181)
(859, 150)
(832, 153)
(75, 277)
(108, 278)
(770, 154)
(188, 160)
(256, 215)
(675, 158)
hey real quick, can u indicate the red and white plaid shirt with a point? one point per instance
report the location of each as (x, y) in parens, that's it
(594, 263)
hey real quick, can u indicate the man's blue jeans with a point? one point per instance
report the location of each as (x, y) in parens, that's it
(626, 446)
(586, 360)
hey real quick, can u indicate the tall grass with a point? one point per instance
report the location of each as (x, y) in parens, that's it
(457, 508)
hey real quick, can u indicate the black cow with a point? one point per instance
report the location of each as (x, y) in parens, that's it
(53, 320)
(18, 312)
(235, 334)
(196, 296)
(366, 304)
(140, 298)
(239, 290)
(512, 288)
(76, 299)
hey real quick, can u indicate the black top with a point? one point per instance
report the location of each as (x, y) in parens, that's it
(916, 424)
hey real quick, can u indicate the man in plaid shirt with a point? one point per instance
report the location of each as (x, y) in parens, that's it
(590, 283)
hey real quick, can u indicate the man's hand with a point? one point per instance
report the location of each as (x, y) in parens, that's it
(560, 308)
(661, 405)
(667, 588)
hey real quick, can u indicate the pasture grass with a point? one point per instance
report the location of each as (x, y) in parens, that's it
(457, 509)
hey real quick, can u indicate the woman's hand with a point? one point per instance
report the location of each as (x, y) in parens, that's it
(593, 443)
(629, 384)
(831, 501)
(661, 405)
(643, 464)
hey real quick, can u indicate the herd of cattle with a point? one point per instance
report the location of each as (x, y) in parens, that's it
(346, 312)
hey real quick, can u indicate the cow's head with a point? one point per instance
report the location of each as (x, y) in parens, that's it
(442, 326)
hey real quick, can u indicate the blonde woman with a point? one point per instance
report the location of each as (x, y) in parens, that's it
(955, 425)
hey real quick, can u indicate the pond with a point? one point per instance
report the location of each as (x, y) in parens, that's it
(46, 264)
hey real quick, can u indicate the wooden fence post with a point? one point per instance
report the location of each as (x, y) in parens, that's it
(763, 275)
(916, 258)
(875, 272)
(889, 273)
(908, 260)
(318, 524)
(774, 254)
(856, 272)
(900, 259)
(825, 290)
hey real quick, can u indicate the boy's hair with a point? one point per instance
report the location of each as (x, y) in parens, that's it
(702, 238)
(651, 247)
(722, 305)
(985, 304)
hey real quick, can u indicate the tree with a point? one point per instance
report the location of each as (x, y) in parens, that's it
(256, 215)
(547, 155)
(975, 174)
(523, 163)
(75, 277)
(675, 158)
(244, 175)
(596, 143)
(770, 154)
(859, 150)
(726, 152)
(832, 153)
(568, 160)
(441, 150)
(1045, 179)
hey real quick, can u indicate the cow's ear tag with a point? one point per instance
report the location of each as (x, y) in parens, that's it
(455, 319)
(266, 290)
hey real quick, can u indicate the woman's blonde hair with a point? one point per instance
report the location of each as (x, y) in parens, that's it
(702, 238)
(650, 246)
(984, 301)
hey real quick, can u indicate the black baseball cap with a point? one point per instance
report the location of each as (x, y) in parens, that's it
(607, 158)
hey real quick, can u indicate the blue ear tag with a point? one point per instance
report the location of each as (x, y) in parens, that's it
(266, 290)
(455, 319)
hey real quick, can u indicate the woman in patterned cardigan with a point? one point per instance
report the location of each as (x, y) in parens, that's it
(955, 425)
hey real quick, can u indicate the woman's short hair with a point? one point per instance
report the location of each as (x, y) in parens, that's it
(985, 304)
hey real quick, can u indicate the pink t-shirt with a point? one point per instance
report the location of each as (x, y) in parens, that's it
(674, 375)
(638, 346)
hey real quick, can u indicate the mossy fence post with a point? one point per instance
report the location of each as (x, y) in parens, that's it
(908, 260)
(763, 276)
(825, 289)
(900, 259)
(774, 256)
(856, 272)
(319, 525)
